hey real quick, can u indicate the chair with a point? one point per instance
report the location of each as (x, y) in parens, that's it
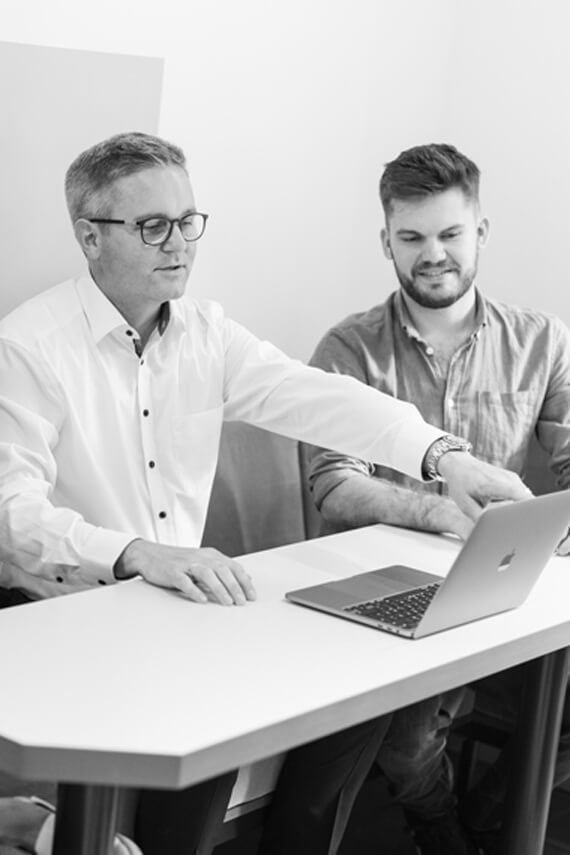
(257, 499)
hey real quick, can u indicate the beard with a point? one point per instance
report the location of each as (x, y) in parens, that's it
(436, 296)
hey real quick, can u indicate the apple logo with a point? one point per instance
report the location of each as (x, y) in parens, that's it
(505, 562)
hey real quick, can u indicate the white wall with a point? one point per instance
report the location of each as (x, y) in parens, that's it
(509, 106)
(288, 111)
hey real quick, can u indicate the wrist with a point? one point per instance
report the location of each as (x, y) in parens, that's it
(125, 565)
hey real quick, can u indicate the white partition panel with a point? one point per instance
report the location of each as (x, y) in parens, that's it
(55, 103)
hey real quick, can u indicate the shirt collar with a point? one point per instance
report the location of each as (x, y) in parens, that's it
(407, 324)
(104, 318)
(480, 312)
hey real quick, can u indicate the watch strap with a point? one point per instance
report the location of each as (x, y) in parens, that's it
(446, 443)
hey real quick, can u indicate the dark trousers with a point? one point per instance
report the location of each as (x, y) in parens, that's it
(183, 822)
(317, 788)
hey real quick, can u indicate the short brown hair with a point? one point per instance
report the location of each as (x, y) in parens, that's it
(427, 169)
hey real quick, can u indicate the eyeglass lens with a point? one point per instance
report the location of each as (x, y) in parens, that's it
(158, 229)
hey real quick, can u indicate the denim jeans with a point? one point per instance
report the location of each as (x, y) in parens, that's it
(413, 759)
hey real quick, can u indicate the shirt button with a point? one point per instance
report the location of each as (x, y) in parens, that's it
(429, 351)
(130, 332)
(101, 581)
(59, 578)
(151, 464)
(451, 403)
(142, 361)
(162, 515)
(145, 412)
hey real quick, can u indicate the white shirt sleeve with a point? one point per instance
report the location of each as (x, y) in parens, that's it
(266, 388)
(53, 542)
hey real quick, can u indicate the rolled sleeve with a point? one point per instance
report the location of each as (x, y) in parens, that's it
(326, 470)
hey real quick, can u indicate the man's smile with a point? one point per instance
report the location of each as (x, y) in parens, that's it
(436, 274)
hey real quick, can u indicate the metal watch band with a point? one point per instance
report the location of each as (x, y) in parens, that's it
(437, 449)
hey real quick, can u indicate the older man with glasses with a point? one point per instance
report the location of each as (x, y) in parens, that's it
(114, 387)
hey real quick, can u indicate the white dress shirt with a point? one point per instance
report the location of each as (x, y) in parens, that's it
(99, 445)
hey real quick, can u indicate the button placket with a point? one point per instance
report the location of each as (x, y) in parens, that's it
(157, 493)
(452, 414)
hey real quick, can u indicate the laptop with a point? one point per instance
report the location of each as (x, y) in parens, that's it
(495, 571)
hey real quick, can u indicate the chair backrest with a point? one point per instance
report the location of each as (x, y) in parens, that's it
(257, 500)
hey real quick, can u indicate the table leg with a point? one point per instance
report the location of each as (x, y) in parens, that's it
(85, 819)
(537, 735)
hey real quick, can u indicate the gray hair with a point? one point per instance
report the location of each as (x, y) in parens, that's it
(94, 171)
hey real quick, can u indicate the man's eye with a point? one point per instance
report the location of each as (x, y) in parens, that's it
(451, 235)
(410, 239)
(154, 226)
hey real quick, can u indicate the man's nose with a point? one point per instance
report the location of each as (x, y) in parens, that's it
(175, 242)
(433, 251)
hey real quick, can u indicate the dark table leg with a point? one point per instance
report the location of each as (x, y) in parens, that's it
(85, 820)
(537, 734)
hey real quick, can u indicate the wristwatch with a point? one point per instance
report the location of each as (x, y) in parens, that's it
(445, 443)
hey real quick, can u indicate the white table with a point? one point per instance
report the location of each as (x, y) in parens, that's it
(131, 685)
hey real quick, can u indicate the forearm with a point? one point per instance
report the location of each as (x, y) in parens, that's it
(360, 500)
(54, 543)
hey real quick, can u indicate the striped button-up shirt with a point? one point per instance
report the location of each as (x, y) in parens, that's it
(511, 378)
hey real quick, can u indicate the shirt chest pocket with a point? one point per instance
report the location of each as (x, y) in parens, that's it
(505, 424)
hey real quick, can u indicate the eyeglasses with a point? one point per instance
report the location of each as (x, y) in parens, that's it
(157, 230)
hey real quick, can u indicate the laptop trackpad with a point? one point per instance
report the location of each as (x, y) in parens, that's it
(381, 583)
(403, 577)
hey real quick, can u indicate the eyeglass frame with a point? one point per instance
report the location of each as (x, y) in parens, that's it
(141, 223)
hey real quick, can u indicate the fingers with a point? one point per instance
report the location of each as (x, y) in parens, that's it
(200, 574)
(465, 527)
(470, 506)
(244, 580)
(473, 483)
(186, 586)
(215, 577)
(514, 488)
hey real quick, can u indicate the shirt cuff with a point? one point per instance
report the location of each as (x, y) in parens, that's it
(413, 441)
(103, 547)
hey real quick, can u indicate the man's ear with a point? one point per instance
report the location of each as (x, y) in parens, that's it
(88, 236)
(386, 243)
(483, 231)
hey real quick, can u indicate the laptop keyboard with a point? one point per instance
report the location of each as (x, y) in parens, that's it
(403, 610)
